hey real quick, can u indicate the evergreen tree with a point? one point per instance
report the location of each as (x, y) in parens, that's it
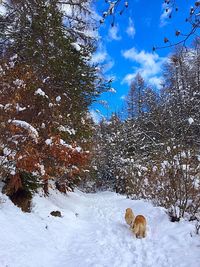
(135, 98)
(107, 149)
(47, 85)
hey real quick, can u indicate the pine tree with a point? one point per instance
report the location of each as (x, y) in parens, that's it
(47, 85)
(135, 98)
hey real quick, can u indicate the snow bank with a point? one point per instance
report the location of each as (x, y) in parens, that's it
(190, 120)
(23, 124)
(92, 233)
(40, 92)
(76, 46)
(68, 129)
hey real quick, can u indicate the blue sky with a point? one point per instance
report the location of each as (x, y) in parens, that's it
(126, 48)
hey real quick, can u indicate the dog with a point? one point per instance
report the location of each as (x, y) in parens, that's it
(129, 216)
(139, 226)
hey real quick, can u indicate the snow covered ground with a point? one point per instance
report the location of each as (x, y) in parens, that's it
(92, 233)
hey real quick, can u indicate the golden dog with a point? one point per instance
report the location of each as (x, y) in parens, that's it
(139, 226)
(129, 216)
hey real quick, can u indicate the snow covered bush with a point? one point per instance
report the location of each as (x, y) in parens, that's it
(174, 184)
(154, 153)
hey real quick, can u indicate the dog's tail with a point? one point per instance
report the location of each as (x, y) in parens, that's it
(139, 230)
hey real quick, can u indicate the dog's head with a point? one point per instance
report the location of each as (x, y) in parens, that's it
(129, 210)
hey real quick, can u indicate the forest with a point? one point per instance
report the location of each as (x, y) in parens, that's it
(48, 138)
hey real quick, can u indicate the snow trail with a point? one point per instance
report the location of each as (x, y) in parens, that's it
(93, 233)
(105, 239)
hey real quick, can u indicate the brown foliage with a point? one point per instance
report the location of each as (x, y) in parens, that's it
(28, 154)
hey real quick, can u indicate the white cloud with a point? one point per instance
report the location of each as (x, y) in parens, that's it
(156, 81)
(128, 78)
(164, 18)
(100, 56)
(131, 29)
(142, 57)
(113, 33)
(96, 115)
(123, 97)
(149, 66)
(103, 58)
(108, 65)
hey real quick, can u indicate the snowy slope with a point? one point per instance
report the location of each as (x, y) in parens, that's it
(92, 233)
